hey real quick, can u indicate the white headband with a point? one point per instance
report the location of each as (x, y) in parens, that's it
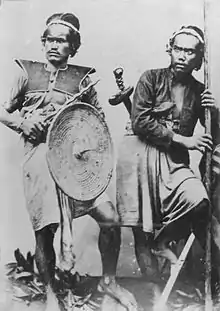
(61, 22)
(190, 32)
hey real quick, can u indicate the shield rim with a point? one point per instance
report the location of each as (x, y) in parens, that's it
(75, 105)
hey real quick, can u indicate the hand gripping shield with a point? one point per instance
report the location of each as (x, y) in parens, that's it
(80, 151)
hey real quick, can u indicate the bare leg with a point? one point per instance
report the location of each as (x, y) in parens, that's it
(174, 231)
(200, 221)
(45, 254)
(145, 259)
(109, 245)
(45, 261)
(199, 218)
(109, 237)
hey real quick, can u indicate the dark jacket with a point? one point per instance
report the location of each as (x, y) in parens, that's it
(154, 90)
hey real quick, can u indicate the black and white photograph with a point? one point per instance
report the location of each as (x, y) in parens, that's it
(110, 155)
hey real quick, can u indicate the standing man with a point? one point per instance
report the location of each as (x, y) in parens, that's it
(167, 104)
(38, 89)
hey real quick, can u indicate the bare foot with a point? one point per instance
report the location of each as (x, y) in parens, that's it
(118, 294)
(52, 301)
(147, 262)
(163, 250)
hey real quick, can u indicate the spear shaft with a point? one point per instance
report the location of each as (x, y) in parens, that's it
(208, 157)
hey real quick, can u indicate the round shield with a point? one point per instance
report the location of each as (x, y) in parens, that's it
(80, 151)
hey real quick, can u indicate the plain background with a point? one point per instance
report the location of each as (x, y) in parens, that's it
(128, 33)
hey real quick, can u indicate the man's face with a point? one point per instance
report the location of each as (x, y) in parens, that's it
(57, 48)
(184, 53)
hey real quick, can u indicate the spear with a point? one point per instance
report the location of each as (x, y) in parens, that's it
(208, 157)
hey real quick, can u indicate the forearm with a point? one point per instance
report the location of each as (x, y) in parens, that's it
(144, 121)
(11, 120)
(179, 139)
(199, 142)
(150, 129)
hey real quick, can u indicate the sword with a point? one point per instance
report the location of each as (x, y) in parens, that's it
(123, 96)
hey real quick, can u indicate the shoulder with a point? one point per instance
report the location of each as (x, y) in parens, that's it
(82, 69)
(17, 77)
(153, 73)
(18, 70)
(28, 66)
(83, 73)
(14, 85)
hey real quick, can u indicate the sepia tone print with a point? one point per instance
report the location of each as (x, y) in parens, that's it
(109, 155)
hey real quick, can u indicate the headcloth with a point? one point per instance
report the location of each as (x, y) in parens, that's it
(67, 19)
(188, 31)
(193, 31)
(61, 22)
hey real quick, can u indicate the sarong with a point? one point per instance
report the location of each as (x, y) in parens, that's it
(154, 187)
(41, 192)
(39, 189)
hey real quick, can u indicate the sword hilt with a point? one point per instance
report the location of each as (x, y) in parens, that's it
(118, 73)
(124, 95)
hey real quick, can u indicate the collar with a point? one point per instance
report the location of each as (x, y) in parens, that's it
(49, 68)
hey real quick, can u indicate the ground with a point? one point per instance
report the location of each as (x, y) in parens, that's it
(145, 290)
